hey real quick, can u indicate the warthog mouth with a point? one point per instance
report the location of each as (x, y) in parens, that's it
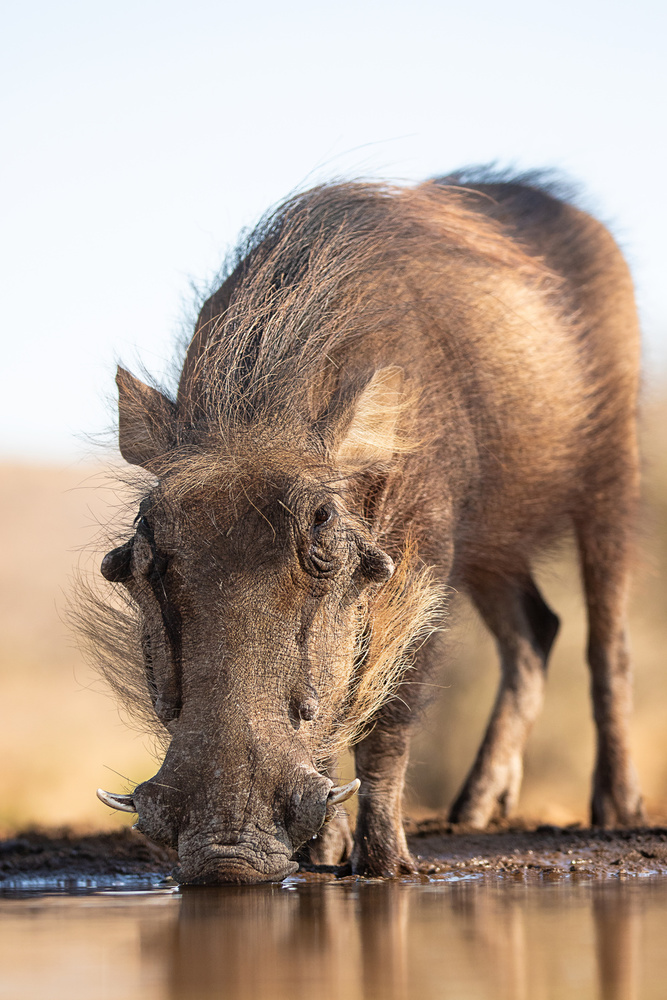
(215, 864)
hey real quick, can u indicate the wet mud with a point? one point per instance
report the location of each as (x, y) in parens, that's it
(538, 851)
(65, 860)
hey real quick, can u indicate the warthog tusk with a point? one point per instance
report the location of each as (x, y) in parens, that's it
(342, 794)
(122, 802)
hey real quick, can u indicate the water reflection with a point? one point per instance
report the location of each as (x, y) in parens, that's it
(618, 934)
(347, 939)
(399, 941)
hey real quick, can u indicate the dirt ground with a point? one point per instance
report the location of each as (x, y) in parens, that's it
(528, 851)
(62, 859)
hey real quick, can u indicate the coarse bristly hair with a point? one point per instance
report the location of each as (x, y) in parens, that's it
(265, 372)
(307, 288)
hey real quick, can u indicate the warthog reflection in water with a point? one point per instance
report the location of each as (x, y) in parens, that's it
(394, 392)
(399, 941)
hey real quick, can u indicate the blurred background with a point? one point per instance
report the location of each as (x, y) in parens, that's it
(138, 140)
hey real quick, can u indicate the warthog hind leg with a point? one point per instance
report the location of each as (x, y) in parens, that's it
(616, 798)
(525, 629)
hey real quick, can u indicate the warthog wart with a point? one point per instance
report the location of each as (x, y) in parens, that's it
(394, 392)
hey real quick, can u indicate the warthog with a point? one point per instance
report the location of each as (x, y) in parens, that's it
(394, 392)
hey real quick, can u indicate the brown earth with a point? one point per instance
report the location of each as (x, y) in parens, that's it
(61, 859)
(528, 851)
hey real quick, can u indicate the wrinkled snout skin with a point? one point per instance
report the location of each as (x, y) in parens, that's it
(243, 823)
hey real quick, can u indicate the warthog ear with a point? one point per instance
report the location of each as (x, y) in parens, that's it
(145, 420)
(360, 425)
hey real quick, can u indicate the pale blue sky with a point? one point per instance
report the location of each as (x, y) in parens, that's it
(139, 137)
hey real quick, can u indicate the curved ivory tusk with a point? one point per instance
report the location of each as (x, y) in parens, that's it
(122, 802)
(342, 794)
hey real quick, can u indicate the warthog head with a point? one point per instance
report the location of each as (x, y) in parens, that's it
(253, 570)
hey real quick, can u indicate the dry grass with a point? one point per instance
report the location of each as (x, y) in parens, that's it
(61, 735)
(60, 732)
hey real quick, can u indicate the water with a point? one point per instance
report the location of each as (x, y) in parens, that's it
(359, 940)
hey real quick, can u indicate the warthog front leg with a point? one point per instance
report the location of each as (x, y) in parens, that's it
(524, 628)
(333, 844)
(380, 847)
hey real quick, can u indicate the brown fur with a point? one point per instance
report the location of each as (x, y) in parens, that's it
(454, 367)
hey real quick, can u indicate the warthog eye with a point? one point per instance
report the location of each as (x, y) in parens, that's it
(142, 526)
(323, 515)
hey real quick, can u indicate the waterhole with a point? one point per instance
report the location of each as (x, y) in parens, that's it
(323, 938)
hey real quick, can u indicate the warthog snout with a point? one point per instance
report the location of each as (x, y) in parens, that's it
(245, 845)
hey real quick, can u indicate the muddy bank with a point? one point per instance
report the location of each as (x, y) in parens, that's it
(533, 851)
(64, 860)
